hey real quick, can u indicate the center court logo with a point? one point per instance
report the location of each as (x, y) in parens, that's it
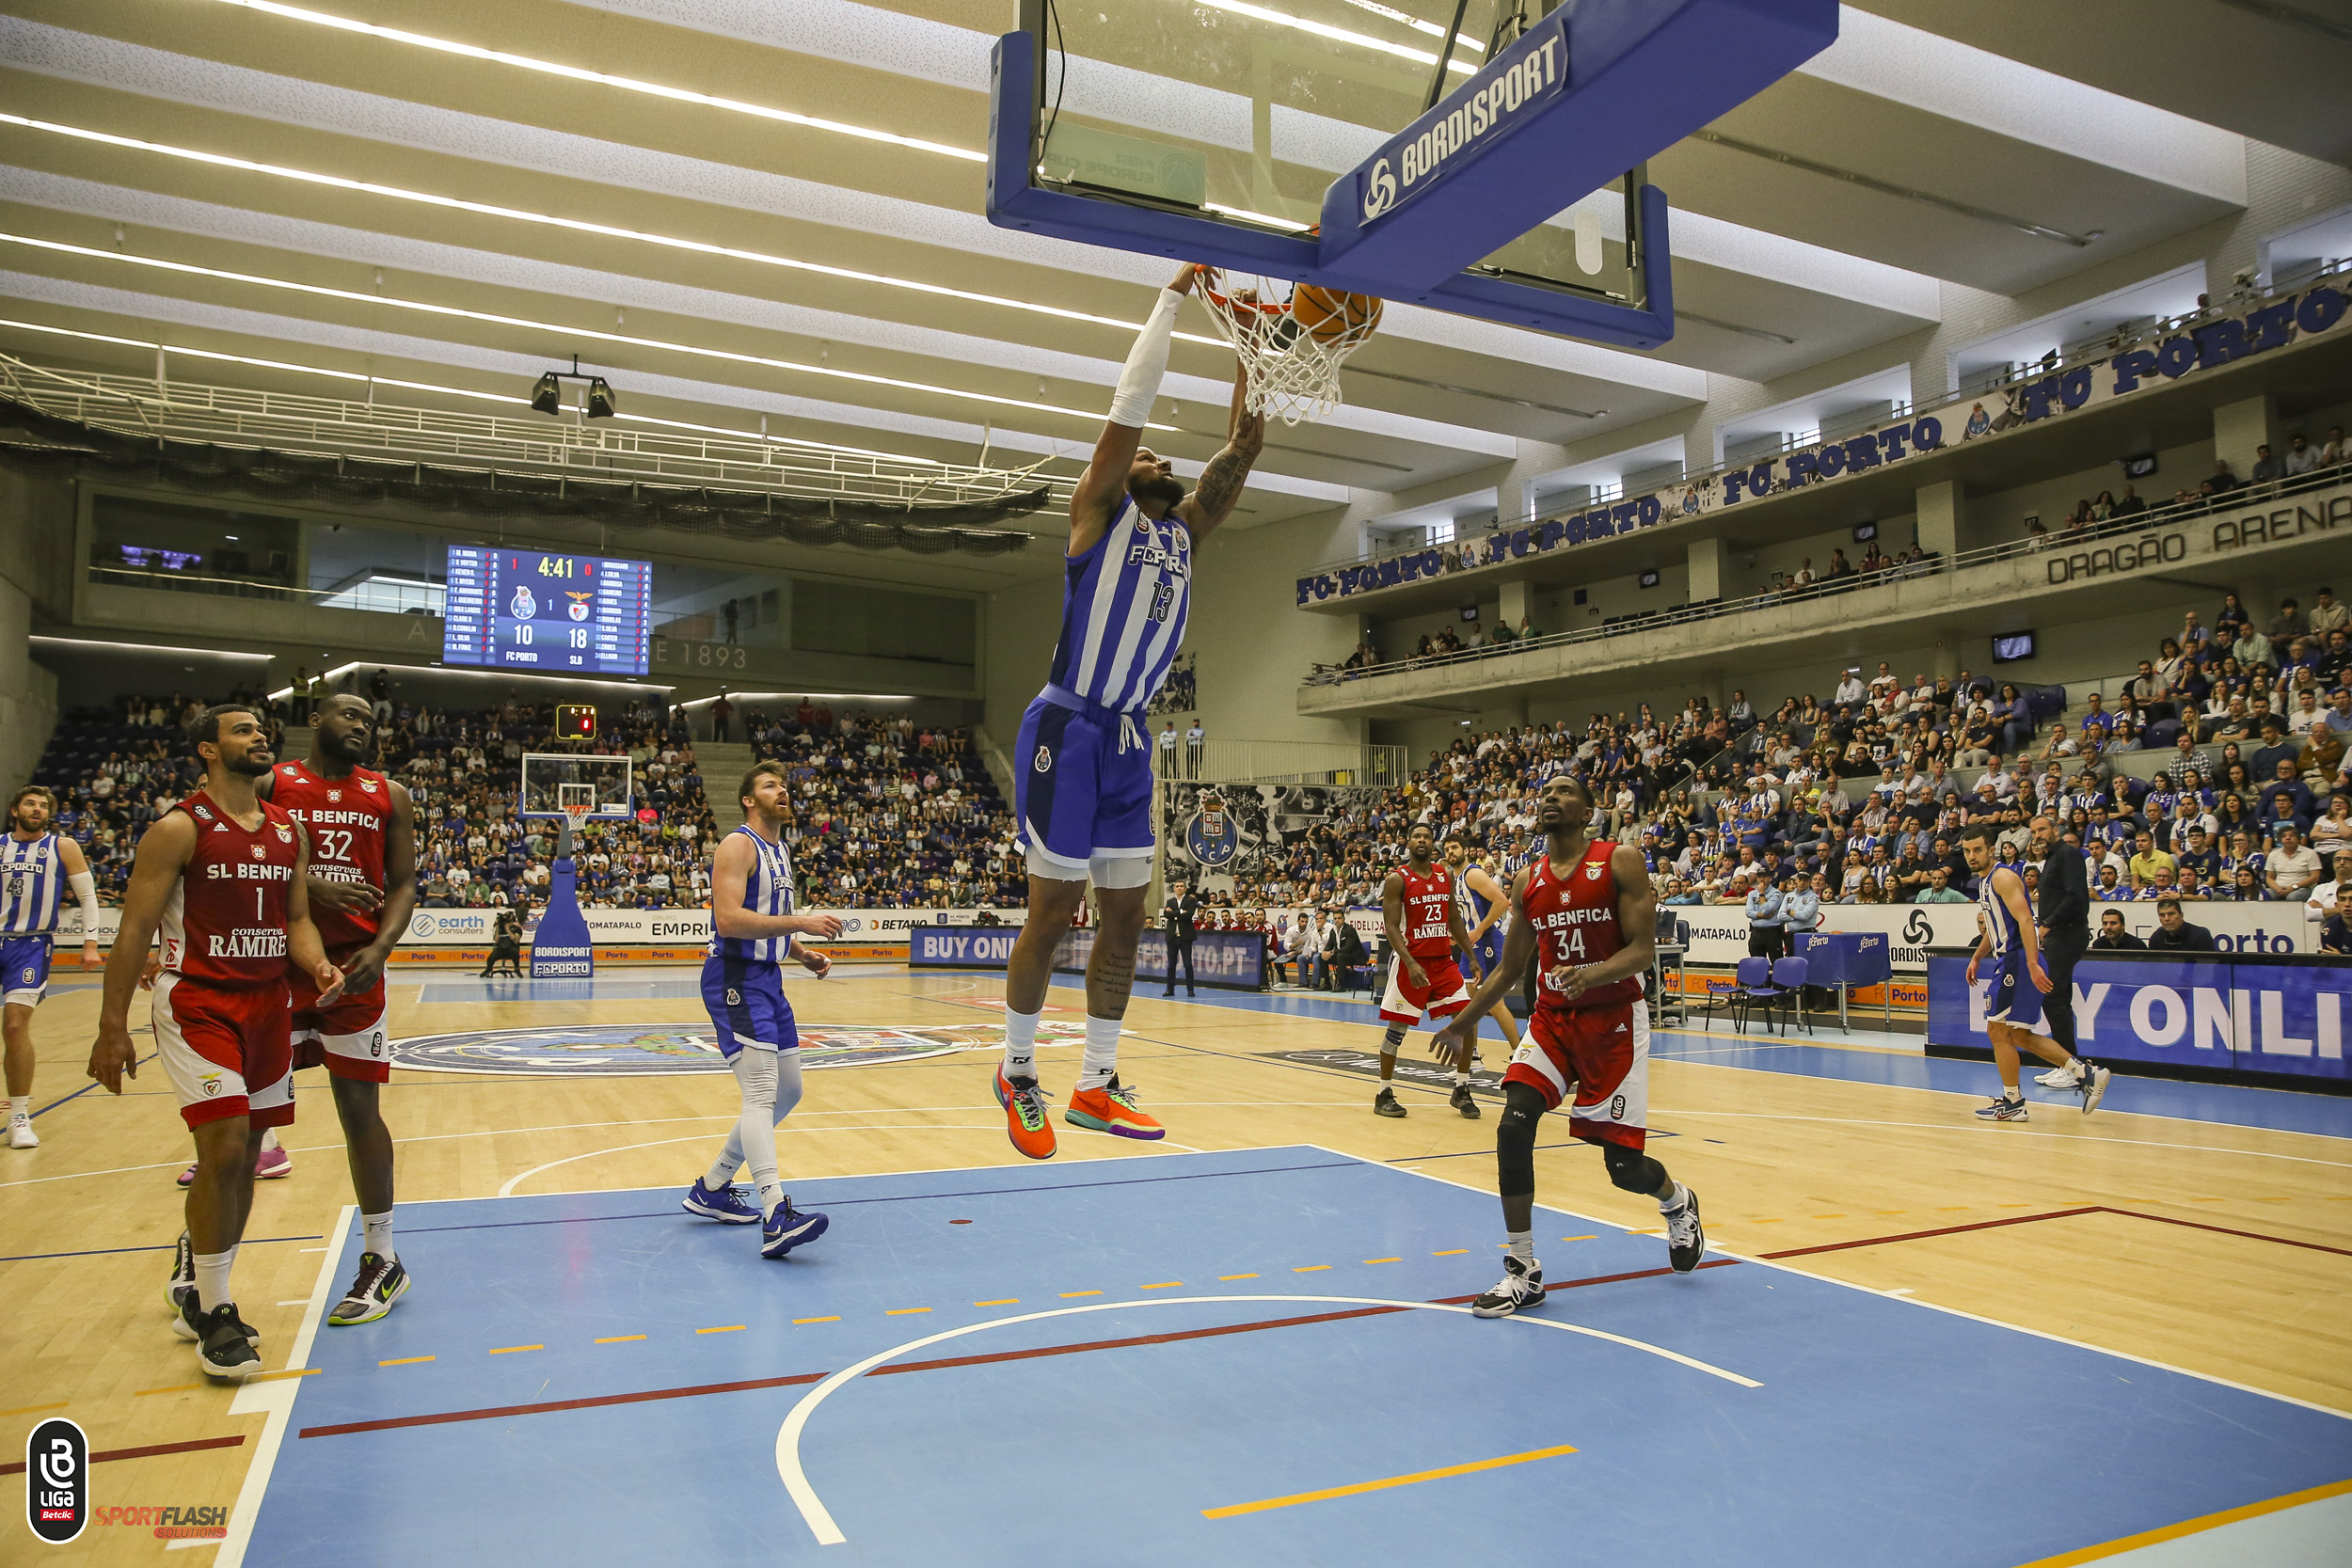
(652, 1050)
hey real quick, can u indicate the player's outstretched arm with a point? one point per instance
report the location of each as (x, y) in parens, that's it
(162, 855)
(304, 947)
(1098, 489)
(1213, 498)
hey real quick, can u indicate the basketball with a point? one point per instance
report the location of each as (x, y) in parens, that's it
(1330, 316)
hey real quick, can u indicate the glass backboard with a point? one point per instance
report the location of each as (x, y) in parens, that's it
(1247, 113)
(548, 779)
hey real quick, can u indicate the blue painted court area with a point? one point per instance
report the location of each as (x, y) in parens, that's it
(608, 1379)
(2232, 1104)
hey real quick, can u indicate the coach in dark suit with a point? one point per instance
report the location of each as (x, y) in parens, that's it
(1177, 916)
(2065, 921)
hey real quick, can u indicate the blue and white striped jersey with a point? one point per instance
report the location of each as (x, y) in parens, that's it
(32, 883)
(1123, 605)
(766, 891)
(2002, 923)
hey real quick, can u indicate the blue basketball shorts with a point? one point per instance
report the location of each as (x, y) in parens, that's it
(745, 999)
(25, 970)
(1082, 786)
(1490, 949)
(2016, 1000)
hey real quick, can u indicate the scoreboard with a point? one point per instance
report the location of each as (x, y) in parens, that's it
(537, 610)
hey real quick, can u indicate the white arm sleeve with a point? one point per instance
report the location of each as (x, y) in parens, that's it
(85, 888)
(1147, 362)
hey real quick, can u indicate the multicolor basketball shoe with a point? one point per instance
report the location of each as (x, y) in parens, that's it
(1113, 1110)
(1025, 1121)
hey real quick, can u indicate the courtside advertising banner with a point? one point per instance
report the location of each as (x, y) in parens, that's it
(962, 946)
(2223, 1011)
(1719, 933)
(1230, 960)
(471, 927)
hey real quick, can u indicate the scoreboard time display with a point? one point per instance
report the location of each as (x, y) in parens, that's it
(535, 609)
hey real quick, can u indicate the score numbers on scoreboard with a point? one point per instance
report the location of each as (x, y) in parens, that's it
(543, 611)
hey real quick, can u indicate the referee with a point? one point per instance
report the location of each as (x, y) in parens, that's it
(2065, 922)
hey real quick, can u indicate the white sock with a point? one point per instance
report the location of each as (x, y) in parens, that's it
(2012, 1091)
(1674, 1200)
(1522, 1245)
(212, 1278)
(1101, 1059)
(21, 1107)
(770, 1193)
(379, 1233)
(1461, 1080)
(1021, 1042)
(269, 1138)
(722, 1175)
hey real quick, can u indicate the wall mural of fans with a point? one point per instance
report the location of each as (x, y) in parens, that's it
(1182, 695)
(1216, 834)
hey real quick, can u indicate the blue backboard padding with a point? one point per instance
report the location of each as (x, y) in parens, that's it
(1641, 74)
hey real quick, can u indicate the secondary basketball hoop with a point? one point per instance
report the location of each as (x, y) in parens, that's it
(1291, 342)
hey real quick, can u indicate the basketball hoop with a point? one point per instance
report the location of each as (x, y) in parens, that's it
(1292, 342)
(576, 800)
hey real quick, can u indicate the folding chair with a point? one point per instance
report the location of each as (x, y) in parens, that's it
(1749, 983)
(1789, 976)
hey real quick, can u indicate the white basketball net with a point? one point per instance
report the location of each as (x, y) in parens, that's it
(1290, 375)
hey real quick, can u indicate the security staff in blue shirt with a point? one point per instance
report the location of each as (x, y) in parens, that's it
(1767, 937)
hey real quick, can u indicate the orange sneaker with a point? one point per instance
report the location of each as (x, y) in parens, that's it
(1025, 1122)
(1111, 1110)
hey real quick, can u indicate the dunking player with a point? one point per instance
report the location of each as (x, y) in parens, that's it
(36, 865)
(1424, 924)
(222, 874)
(1586, 912)
(752, 932)
(1485, 915)
(1082, 768)
(2005, 935)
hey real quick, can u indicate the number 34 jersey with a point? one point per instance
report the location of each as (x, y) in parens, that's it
(348, 818)
(225, 924)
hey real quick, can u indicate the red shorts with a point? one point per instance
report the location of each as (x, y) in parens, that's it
(1602, 1055)
(1443, 997)
(346, 1038)
(227, 1053)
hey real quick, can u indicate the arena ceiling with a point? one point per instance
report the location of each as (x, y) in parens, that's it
(726, 262)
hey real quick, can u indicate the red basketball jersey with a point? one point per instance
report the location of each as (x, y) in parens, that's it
(1575, 920)
(225, 924)
(1426, 901)
(348, 820)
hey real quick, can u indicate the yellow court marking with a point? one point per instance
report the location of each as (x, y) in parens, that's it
(1369, 1261)
(1165, 1285)
(835, 1319)
(1455, 1252)
(407, 1360)
(723, 1328)
(2191, 1527)
(175, 1389)
(1221, 1278)
(1580, 1238)
(513, 1350)
(1363, 1486)
(1068, 1294)
(904, 1311)
(1310, 1268)
(298, 1371)
(1841, 1217)
(619, 1339)
(32, 1409)
(1008, 1301)
(1951, 1208)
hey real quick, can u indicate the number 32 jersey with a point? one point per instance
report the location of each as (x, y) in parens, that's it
(225, 924)
(348, 818)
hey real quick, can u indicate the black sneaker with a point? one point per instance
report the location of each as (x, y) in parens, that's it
(1384, 1103)
(225, 1343)
(180, 1292)
(381, 1282)
(1464, 1104)
(1522, 1286)
(1686, 1238)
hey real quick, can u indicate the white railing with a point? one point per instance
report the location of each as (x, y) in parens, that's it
(628, 447)
(1279, 762)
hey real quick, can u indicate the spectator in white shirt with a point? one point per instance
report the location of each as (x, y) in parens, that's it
(2302, 457)
(1850, 691)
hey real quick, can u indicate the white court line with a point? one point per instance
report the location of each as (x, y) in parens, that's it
(821, 1521)
(276, 1401)
(1915, 1301)
(512, 1183)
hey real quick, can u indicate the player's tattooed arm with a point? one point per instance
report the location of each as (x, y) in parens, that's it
(1213, 500)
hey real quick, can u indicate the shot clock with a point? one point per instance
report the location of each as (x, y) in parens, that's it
(539, 610)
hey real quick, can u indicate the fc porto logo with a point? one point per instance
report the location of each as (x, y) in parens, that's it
(1045, 760)
(525, 607)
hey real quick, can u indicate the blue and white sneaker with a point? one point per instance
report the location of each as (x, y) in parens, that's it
(2003, 1109)
(722, 1204)
(788, 1227)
